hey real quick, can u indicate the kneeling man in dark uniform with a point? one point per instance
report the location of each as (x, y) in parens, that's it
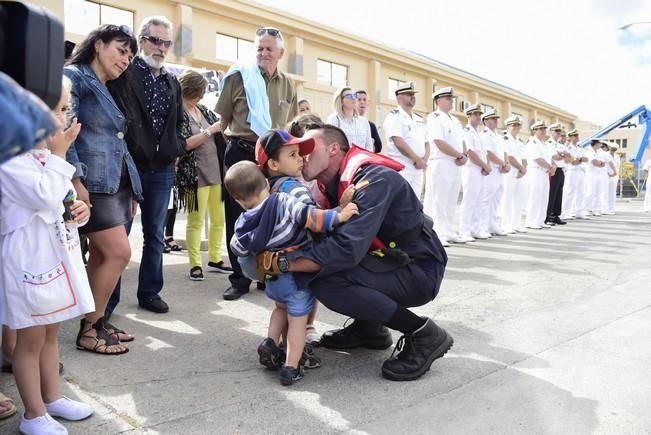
(378, 264)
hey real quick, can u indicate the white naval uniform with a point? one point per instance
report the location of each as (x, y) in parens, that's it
(443, 175)
(474, 186)
(514, 196)
(647, 196)
(612, 184)
(574, 190)
(537, 181)
(593, 181)
(412, 130)
(494, 182)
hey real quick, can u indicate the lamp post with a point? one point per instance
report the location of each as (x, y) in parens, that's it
(625, 27)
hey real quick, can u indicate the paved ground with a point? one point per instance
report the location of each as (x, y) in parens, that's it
(551, 336)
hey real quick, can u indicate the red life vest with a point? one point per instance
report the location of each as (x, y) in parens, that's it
(357, 157)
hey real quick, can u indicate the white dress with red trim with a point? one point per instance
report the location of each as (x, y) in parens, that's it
(42, 274)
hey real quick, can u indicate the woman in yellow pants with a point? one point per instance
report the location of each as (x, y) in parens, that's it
(199, 176)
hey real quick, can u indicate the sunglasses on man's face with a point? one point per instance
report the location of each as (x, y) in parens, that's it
(269, 31)
(158, 42)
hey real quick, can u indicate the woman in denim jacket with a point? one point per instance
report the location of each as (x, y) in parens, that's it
(106, 177)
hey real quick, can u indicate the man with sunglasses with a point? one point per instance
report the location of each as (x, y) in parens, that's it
(254, 99)
(150, 98)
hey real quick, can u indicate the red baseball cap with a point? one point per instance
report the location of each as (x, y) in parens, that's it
(270, 142)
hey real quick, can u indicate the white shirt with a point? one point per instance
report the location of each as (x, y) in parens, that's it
(617, 161)
(536, 149)
(474, 143)
(557, 148)
(446, 127)
(591, 154)
(493, 143)
(358, 130)
(577, 153)
(411, 129)
(515, 149)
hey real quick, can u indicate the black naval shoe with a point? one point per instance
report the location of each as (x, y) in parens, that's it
(357, 334)
(417, 352)
(232, 293)
(550, 222)
(559, 221)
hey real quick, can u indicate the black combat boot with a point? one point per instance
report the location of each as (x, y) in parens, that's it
(358, 334)
(417, 352)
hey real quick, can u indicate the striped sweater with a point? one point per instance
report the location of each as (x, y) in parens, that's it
(281, 221)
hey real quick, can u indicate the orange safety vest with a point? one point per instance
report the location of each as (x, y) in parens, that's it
(357, 157)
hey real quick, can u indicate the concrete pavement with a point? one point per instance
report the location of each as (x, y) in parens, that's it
(551, 336)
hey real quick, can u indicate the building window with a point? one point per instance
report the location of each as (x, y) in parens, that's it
(486, 107)
(82, 16)
(624, 143)
(330, 73)
(234, 49)
(393, 85)
(464, 106)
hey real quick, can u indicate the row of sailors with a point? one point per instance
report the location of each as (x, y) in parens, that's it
(550, 179)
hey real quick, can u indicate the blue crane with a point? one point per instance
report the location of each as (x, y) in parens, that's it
(644, 118)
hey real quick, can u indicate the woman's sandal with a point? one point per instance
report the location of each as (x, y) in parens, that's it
(120, 334)
(171, 245)
(102, 340)
(9, 410)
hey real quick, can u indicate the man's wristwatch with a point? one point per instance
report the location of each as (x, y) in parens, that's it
(283, 263)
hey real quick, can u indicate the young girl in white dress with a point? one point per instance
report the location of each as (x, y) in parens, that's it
(42, 274)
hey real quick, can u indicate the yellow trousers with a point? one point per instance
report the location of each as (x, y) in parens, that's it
(210, 199)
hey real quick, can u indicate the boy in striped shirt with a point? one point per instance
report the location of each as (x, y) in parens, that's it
(276, 218)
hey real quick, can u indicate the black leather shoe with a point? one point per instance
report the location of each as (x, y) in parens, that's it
(357, 334)
(559, 221)
(154, 304)
(550, 222)
(417, 353)
(233, 293)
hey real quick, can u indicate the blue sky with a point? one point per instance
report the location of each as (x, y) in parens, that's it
(567, 53)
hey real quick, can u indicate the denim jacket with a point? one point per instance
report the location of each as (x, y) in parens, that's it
(100, 149)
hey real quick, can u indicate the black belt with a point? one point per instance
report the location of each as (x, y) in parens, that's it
(243, 144)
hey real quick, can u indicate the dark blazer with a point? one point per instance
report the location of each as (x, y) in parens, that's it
(150, 154)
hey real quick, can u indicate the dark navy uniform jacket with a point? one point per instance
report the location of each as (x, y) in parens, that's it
(388, 207)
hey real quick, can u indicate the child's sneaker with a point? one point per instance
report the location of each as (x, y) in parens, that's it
(308, 359)
(289, 375)
(69, 409)
(271, 356)
(41, 425)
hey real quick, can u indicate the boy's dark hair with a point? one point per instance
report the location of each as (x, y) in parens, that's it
(360, 91)
(244, 180)
(303, 123)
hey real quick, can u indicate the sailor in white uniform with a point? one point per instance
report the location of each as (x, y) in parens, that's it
(539, 167)
(596, 162)
(405, 133)
(473, 179)
(514, 196)
(496, 150)
(445, 134)
(574, 190)
(613, 177)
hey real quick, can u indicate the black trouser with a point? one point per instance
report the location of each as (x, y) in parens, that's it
(373, 297)
(555, 204)
(236, 151)
(171, 220)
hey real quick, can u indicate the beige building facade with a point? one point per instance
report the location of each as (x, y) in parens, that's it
(214, 34)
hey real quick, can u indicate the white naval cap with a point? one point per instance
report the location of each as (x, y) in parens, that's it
(573, 132)
(443, 92)
(490, 114)
(407, 88)
(613, 146)
(513, 120)
(557, 126)
(475, 108)
(538, 124)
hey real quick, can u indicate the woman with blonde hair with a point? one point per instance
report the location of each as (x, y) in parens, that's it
(347, 118)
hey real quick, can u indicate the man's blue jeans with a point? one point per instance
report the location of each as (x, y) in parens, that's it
(156, 187)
